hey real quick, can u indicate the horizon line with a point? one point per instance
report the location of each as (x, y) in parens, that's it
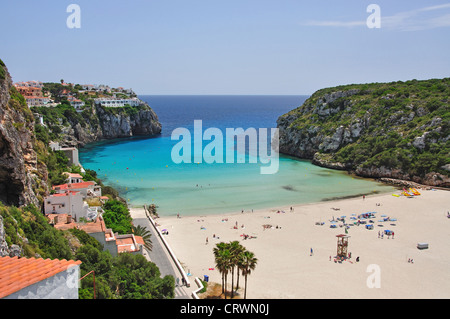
(218, 94)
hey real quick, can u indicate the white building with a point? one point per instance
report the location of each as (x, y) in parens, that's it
(102, 88)
(68, 202)
(87, 87)
(73, 178)
(70, 152)
(76, 103)
(37, 100)
(115, 102)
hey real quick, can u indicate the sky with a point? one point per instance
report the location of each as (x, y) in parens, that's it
(276, 47)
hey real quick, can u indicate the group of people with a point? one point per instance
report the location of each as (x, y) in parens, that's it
(381, 234)
(343, 258)
(245, 236)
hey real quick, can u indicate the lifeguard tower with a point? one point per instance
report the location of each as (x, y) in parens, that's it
(342, 245)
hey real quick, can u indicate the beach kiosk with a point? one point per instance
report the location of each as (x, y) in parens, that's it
(342, 245)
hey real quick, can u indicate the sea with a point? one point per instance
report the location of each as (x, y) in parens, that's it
(145, 171)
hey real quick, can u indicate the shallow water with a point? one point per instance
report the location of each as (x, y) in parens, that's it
(143, 171)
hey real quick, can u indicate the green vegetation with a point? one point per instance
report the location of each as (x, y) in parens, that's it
(62, 114)
(404, 125)
(17, 102)
(2, 70)
(117, 217)
(42, 239)
(145, 234)
(126, 276)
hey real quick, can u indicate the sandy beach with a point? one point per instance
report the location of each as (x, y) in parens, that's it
(286, 269)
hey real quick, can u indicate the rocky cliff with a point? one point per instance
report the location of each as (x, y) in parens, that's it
(398, 130)
(20, 173)
(97, 123)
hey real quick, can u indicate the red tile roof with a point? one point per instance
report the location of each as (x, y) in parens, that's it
(18, 273)
(66, 193)
(74, 185)
(74, 175)
(128, 243)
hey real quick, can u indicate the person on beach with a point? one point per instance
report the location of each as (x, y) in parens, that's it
(311, 252)
(206, 240)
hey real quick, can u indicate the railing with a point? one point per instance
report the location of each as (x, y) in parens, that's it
(200, 287)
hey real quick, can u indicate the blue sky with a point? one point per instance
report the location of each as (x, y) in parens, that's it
(225, 47)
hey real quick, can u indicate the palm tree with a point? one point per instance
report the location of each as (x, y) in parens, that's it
(249, 262)
(236, 249)
(223, 263)
(239, 265)
(219, 263)
(145, 234)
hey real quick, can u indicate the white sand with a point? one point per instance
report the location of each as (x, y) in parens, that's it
(285, 268)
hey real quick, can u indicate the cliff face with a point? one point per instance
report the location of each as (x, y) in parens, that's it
(122, 124)
(98, 123)
(18, 160)
(397, 130)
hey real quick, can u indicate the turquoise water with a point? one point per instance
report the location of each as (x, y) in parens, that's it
(143, 171)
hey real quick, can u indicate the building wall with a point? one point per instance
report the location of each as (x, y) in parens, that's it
(107, 245)
(72, 155)
(63, 285)
(73, 205)
(117, 102)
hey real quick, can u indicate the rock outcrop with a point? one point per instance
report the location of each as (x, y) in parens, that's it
(99, 123)
(18, 159)
(372, 132)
